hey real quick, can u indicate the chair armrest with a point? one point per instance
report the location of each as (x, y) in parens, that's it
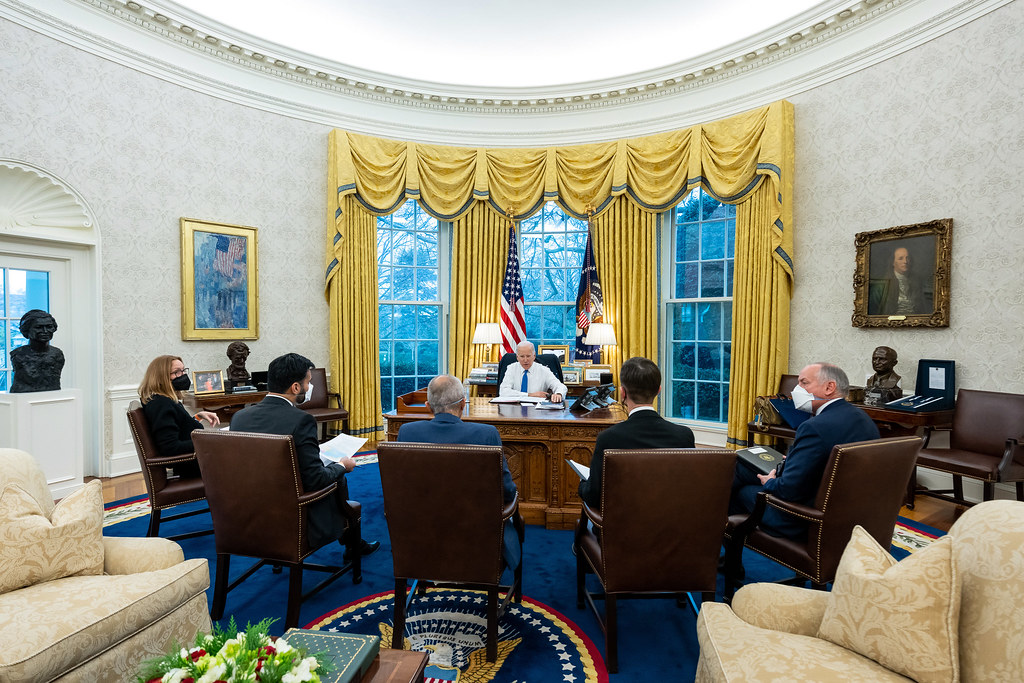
(169, 460)
(929, 430)
(307, 498)
(595, 516)
(511, 507)
(811, 514)
(781, 608)
(1013, 453)
(135, 555)
(337, 397)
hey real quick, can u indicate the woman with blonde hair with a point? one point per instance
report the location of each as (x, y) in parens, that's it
(171, 426)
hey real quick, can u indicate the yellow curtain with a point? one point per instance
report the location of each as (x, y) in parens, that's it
(479, 251)
(729, 158)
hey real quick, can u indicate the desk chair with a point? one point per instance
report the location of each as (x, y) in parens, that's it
(548, 360)
(660, 526)
(164, 492)
(259, 510)
(446, 519)
(318, 404)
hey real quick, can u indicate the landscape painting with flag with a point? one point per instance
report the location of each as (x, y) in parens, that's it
(589, 305)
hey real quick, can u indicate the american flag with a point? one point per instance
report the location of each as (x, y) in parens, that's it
(229, 250)
(513, 313)
(589, 305)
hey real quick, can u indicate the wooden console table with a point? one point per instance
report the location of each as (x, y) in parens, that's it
(536, 442)
(225, 405)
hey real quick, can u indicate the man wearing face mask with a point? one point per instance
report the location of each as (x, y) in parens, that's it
(640, 381)
(288, 384)
(821, 390)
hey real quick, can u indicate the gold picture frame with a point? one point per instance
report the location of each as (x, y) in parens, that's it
(592, 372)
(560, 351)
(915, 256)
(207, 382)
(572, 375)
(219, 272)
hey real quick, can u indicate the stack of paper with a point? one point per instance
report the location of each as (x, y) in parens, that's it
(341, 446)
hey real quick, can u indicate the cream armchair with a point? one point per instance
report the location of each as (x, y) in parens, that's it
(75, 605)
(774, 632)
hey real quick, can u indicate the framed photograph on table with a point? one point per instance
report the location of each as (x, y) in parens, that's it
(902, 276)
(572, 376)
(560, 351)
(592, 373)
(218, 281)
(208, 382)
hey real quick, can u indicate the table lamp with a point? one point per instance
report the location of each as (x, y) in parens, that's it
(487, 333)
(600, 334)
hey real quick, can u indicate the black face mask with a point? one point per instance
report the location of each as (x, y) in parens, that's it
(181, 383)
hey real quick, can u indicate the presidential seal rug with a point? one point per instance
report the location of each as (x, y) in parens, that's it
(535, 642)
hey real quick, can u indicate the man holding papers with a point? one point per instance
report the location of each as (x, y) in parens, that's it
(640, 381)
(446, 399)
(527, 378)
(287, 384)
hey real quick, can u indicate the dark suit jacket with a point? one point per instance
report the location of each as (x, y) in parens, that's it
(171, 427)
(642, 429)
(274, 415)
(447, 428)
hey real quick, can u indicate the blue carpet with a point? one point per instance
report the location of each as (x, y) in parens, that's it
(657, 640)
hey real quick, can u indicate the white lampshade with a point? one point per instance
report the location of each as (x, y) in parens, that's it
(600, 334)
(486, 333)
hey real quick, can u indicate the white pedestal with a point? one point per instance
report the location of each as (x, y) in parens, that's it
(48, 425)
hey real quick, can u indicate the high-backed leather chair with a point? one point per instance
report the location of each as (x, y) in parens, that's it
(986, 443)
(318, 403)
(259, 510)
(164, 492)
(781, 432)
(864, 483)
(446, 519)
(663, 512)
(548, 360)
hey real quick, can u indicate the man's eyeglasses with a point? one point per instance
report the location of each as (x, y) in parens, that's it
(179, 373)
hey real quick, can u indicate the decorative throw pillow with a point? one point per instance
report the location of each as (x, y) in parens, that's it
(903, 615)
(34, 549)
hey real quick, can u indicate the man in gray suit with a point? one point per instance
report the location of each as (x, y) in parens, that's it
(446, 399)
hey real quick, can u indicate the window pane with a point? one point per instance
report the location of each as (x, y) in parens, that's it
(709, 401)
(683, 326)
(3, 347)
(712, 240)
(403, 385)
(709, 361)
(552, 327)
(689, 209)
(683, 400)
(531, 285)
(427, 326)
(383, 244)
(401, 251)
(687, 243)
(405, 359)
(385, 358)
(726, 362)
(687, 278)
(684, 361)
(385, 316)
(730, 239)
(710, 326)
(426, 249)
(712, 278)
(387, 400)
(426, 284)
(426, 358)
(403, 284)
(3, 292)
(384, 283)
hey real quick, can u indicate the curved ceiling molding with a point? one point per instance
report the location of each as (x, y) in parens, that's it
(34, 203)
(807, 51)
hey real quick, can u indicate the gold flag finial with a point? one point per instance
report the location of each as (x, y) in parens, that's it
(510, 213)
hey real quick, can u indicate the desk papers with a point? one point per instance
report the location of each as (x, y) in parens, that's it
(341, 446)
(518, 399)
(582, 470)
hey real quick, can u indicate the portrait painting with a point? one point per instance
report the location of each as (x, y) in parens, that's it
(902, 276)
(208, 382)
(218, 281)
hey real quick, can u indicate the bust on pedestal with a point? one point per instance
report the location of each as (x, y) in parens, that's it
(884, 385)
(238, 352)
(37, 365)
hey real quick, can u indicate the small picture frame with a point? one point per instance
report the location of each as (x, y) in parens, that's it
(560, 351)
(572, 376)
(592, 373)
(208, 382)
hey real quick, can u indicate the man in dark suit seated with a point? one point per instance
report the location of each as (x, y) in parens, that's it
(821, 390)
(446, 399)
(287, 384)
(640, 382)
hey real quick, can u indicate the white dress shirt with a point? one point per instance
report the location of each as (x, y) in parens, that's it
(540, 379)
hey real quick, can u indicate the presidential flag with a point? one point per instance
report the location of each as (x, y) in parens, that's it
(589, 306)
(513, 313)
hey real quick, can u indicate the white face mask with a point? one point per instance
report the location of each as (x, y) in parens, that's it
(308, 395)
(802, 399)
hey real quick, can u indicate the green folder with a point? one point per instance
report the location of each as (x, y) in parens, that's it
(349, 654)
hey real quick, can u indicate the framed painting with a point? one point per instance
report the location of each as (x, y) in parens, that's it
(560, 351)
(218, 281)
(902, 276)
(572, 375)
(592, 372)
(208, 382)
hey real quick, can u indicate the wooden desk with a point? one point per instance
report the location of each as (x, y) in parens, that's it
(396, 666)
(225, 405)
(536, 442)
(902, 423)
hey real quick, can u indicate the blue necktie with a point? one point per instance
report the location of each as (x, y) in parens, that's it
(525, 388)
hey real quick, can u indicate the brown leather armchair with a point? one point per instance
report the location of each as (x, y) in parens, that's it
(864, 483)
(986, 443)
(659, 529)
(259, 510)
(318, 404)
(446, 519)
(164, 492)
(781, 432)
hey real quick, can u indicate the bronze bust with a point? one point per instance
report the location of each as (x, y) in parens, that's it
(238, 352)
(884, 385)
(37, 365)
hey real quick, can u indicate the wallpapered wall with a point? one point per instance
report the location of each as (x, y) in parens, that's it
(932, 133)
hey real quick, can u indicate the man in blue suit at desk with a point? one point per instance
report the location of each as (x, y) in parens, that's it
(821, 390)
(446, 399)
